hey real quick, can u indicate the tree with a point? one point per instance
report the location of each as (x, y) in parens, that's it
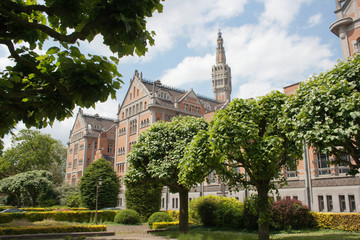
(144, 198)
(157, 155)
(32, 150)
(246, 135)
(27, 185)
(40, 88)
(325, 112)
(109, 189)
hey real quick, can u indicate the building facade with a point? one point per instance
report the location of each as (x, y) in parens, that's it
(322, 187)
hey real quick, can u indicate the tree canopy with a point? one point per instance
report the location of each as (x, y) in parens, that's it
(325, 112)
(32, 150)
(27, 186)
(246, 135)
(157, 155)
(109, 189)
(50, 75)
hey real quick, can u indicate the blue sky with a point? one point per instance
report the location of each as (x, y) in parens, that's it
(269, 44)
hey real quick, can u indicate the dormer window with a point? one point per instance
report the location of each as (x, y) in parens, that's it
(96, 126)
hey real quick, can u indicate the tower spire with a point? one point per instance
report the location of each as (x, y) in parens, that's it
(221, 73)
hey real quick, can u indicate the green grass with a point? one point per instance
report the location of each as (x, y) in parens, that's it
(208, 234)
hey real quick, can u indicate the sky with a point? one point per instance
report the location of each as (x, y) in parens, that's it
(269, 44)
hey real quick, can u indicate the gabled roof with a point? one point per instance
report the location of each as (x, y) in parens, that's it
(105, 123)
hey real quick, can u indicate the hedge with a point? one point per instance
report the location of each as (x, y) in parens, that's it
(340, 221)
(69, 216)
(158, 225)
(173, 214)
(51, 229)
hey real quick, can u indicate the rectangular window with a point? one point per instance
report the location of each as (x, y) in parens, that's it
(321, 203)
(323, 164)
(329, 203)
(291, 169)
(109, 148)
(162, 202)
(212, 177)
(177, 203)
(295, 197)
(352, 205)
(173, 203)
(342, 203)
(343, 167)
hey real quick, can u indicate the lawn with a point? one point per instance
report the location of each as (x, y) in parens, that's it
(206, 234)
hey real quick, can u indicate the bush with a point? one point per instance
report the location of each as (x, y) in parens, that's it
(51, 229)
(340, 221)
(49, 198)
(158, 225)
(73, 200)
(109, 190)
(217, 211)
(159, 217)
(144, 199)
(250, 216)
(290, 214)
(127, 216)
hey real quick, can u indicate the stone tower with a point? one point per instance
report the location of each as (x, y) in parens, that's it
(221, 74)
(347, 26)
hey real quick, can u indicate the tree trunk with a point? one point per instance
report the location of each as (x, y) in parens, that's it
(264, 213)
(184, 211)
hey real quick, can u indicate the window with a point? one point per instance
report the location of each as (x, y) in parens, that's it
(186, 107)
(89, 145)
(130, 96)
(80, 162)
(321, 203)
(329, 203)
(323, 164)
(177, 202)
(121, 150)
(357, 45)
(352, 205)
(162, 202)
(342, 203)
(95, 145)
(131, 144)
(82, 146)
(291, 169)
(212, 177)
(122, 115)
(133, 126)
(109, 148)
(76, 148)
(120, 201)
(145, 105)
(137, 92)
(122, 131)
(75, 163)
(70, 150)
(295, 197)
(141, 106)
(343, 167)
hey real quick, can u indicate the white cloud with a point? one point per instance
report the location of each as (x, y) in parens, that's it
(280, 12)
(315, 20)
(190, 70)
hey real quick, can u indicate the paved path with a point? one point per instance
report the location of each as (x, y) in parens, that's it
(129, 232)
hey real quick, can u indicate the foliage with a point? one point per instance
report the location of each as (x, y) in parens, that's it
(108, 191)
(32, 150)
(340, 221)
(143, 198)
(66, 190)
(246, 135)
(51, 229)
(70, 216)
(157, 155)
(250, 219)
(40, 88)
(325, 112)
(290, 214)
(127, 216)
(73, 200)
(160, 225)
(159, 217)
(174, 214)
(217, 211)
(48, 198)
(27, 185)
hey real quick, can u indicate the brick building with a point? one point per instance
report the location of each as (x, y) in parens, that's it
(321, 186)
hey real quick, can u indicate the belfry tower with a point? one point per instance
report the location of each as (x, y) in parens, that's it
(221, 74)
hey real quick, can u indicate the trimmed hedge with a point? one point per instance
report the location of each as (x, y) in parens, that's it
(159, 217)
(69, 216)
(159, 225)
(127, 216)
(340, 221)
(51, 229)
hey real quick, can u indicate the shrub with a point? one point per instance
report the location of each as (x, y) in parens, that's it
(144, 199)
(217, 211)
(159, 217)
(158, 225)
(290, 214)
(109, 190)
(51, 229)
(73, 200)
(340, 221)
(127, 216)
(174, 214)
(250, 216)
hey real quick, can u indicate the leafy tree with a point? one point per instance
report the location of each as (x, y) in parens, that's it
(144, 198)
(325, 112)
(32, 150)
(27, 185)
(40, 88)
(246, 135)
(157, 155)
(108, 191)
